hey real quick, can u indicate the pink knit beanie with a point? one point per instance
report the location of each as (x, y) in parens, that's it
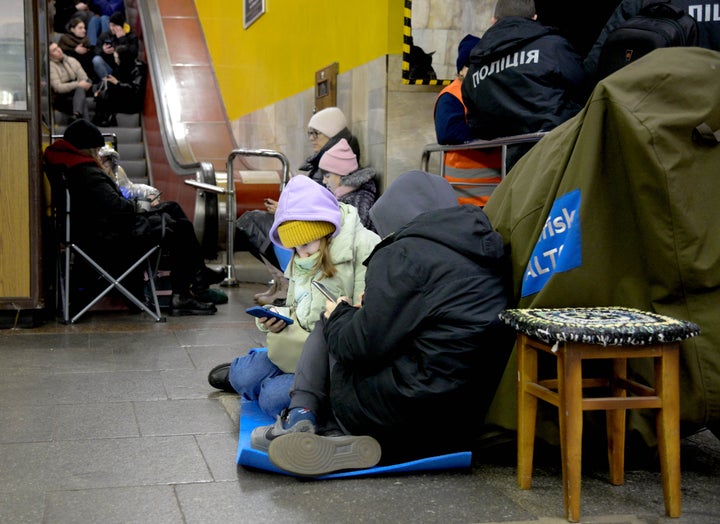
(339, 159)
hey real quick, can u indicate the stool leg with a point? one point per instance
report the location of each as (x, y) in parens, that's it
(527, 412)
(615, 419)
(571, 421)
(668, 426)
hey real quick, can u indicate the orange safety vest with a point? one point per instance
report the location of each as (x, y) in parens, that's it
(481, 166)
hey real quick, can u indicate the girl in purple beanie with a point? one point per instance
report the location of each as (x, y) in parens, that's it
(329, 244)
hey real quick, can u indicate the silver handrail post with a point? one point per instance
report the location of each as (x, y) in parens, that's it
(230, 280)
(231, 213)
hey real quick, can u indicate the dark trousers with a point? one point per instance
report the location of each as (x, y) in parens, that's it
(311, 390)
(185, 252)
(252, 234)
(74, 103)
(312, 380)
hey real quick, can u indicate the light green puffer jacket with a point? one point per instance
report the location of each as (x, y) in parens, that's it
(305, 304)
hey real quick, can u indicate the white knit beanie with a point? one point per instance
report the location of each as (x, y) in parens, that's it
(329, 121)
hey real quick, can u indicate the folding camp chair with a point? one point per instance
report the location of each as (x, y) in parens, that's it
(70, 254)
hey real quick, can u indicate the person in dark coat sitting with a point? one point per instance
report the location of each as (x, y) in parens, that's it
(124, 91)
(348, 182)
(399, 375)
(109, 226)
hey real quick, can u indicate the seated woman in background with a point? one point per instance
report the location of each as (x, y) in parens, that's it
(325, 129)
(110, 226)
(147, 198)
(75, 43)
(123, 92)
(350, 184)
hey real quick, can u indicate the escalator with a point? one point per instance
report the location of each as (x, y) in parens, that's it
(186, 130)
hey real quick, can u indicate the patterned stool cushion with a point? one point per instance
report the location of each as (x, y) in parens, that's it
(606, 326)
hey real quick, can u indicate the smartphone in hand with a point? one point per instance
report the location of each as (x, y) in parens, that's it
(261, 312)
(324, 291)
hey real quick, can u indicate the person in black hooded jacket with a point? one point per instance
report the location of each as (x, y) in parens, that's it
(400, 375)
(125, 89)
(524, 77)
(107, 224)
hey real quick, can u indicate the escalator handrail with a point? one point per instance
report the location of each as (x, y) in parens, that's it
(177, 149)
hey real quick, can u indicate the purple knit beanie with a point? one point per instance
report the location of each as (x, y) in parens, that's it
(305, 200)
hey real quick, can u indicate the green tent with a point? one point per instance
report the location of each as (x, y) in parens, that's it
(621, 206)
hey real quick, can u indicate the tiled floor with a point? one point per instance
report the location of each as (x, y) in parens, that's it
(111, 420)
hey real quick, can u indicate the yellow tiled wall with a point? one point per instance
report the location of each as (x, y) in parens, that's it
(276, 57)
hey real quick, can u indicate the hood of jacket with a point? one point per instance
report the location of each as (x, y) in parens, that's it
(464, 229)
(411, 194)
(506, 36)
(63, 153)
(306, 200)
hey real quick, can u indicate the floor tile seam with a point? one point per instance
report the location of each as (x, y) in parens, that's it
(80, 374)
(111, 327)
(139, 436)
(123, 438)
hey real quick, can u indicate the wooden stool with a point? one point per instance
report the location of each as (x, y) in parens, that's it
(572, 335)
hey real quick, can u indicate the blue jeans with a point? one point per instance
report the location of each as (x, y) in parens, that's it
(96, 26)
(255, 377)
(102, 68)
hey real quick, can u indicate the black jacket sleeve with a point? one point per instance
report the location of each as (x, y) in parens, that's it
(393, 307)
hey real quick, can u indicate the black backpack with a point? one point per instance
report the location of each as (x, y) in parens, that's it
(657, 25)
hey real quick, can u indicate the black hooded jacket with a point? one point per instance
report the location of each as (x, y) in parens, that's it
(425, 347)
(523, 77)
(100, 214)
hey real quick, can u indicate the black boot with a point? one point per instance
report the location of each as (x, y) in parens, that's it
(182, 305)
(219, 378)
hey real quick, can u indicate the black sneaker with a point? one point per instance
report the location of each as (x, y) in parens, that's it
(212, 295)
(312, 455)
(296, 420)
(183, 306)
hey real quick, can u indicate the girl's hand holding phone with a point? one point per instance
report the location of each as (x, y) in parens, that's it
(269, 318)
(330, 305)
(274, 325)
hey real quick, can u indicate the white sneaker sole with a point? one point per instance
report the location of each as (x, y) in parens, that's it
(259, 437)
(312, 455)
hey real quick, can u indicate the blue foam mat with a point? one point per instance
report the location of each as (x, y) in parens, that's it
(252, 416)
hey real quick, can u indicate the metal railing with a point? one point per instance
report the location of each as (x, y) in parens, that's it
(231, 206)
(502, 143)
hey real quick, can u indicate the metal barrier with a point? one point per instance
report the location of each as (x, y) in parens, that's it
(231, 206)
(502, 142)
